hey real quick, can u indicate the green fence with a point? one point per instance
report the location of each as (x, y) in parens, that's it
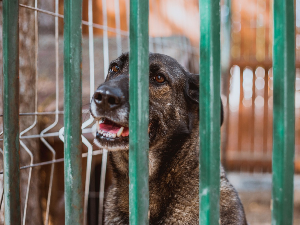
(139, 112)
(284, 130)
(72, 117)
(283, 112)
(11, 112)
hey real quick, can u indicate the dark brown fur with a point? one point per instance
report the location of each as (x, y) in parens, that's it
(173, 151)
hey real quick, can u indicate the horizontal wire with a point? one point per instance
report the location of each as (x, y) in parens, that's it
(45, 113)
(111, 29)
(41, 114)
(84, 155)
(42, 11)
(84, 131)
(38, 113)
(123, 32)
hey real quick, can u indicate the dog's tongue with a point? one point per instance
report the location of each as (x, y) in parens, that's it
(113, 128)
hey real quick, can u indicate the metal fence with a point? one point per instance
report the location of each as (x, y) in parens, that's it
(56, 128)
(248, 92)
(73, 132)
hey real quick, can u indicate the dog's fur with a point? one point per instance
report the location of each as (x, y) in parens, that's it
(173, 151)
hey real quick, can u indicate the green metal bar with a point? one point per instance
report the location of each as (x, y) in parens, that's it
(139, 113)
(11, 112)
(283, 112)
(209, 108)
(72, 116)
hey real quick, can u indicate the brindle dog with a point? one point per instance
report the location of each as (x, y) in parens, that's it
(173, 144)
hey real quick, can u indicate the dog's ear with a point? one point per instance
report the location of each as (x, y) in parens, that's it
(192, 92)
(192, 88)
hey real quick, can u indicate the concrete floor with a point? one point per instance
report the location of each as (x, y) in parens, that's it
(255, 193)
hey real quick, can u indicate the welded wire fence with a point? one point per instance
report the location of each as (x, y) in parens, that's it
(48, 110)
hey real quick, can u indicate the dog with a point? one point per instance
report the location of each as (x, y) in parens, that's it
(173, 144)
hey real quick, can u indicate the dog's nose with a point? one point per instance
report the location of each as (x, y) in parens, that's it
(107, 98)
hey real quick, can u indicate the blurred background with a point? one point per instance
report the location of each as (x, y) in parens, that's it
(247, 92)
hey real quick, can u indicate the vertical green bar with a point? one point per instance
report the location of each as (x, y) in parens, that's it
(209, 108)
(11, 112)
(72, 117)
(283, 112)
(139, 113)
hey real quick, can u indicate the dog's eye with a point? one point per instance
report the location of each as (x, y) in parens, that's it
(114, 68)
(159, 78)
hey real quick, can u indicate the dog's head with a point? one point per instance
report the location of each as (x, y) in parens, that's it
(173, 103)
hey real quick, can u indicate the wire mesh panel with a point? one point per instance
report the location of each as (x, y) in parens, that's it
(105, 36)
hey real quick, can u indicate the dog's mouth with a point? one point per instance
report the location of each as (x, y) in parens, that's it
(109, 129)
(114, 136)
(111, 135)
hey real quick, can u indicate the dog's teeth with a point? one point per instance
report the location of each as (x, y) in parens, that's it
(97, 126)
(120, 131)
(113, 135)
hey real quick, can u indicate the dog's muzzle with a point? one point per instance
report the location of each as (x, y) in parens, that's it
(109, 110)
(107, 98)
